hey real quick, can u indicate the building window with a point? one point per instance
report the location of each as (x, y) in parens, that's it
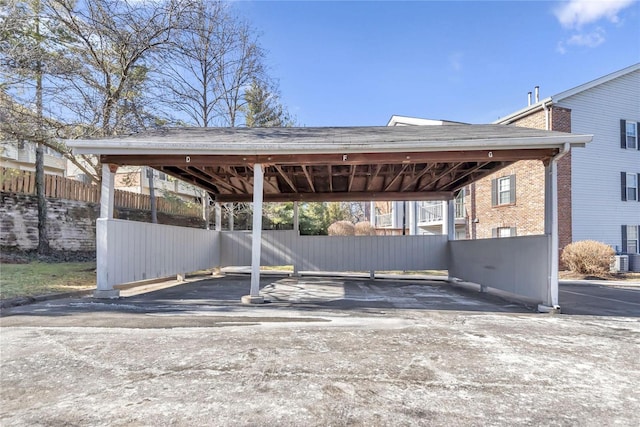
(504, 232)
(503, 190)
(629, 186)
(630, 239)
(629, 134)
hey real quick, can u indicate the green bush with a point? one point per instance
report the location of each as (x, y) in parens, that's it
(588, 257)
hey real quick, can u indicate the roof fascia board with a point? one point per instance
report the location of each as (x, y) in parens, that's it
(134, 147)
(533, 108)
(604, 79)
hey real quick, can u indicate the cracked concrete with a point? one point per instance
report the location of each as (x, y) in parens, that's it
(322, 352)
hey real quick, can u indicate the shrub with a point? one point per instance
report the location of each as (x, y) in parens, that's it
(365, 228)
(341, 228)
(588, 257)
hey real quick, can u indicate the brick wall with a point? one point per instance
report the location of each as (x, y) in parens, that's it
(72, 224)
(561, 122)
(527, 213)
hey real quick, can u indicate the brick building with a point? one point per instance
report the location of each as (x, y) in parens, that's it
(598, 197)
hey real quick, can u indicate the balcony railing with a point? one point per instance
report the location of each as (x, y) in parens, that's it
(431, 212)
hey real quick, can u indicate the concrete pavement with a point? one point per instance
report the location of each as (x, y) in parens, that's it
(322, 352)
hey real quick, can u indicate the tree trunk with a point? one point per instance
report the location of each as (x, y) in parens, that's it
(43, 238)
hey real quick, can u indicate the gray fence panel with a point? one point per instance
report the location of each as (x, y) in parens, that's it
(519, 265)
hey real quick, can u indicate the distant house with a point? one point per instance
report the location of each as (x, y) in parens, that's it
(598, 196)
(21, 155)
(417, 217)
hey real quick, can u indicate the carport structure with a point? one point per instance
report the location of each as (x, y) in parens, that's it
(329, 164)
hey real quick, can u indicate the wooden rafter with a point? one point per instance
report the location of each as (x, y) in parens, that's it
(352, 174)
(309, 180)
(330, 177)
(286, 178)
(463, 175)
(372, 177)
(416, 178)
(396, 177)
(437, 178)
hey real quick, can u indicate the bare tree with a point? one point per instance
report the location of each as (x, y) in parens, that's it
(109, 43)
(209, 65)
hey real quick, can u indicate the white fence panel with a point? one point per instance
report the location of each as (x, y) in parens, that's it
(140, 251)
(519, 265)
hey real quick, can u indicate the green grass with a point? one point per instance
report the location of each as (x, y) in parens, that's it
(38, 278)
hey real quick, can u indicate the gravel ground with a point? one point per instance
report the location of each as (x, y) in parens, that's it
(334, 356)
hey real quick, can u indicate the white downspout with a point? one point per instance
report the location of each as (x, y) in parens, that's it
(552, 229)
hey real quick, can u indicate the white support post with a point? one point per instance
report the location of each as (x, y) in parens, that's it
(450, 214)
(445, 217)
(218, 209)
(296, 229)
(256, 241)
(296, 218)
(551, 230)
(372, 213)
(103, 288)
(230, 215)
(412, 218)
(205, 208)
(107, 191)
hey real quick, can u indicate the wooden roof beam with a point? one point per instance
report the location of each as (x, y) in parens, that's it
(339, 197)
(330, 159)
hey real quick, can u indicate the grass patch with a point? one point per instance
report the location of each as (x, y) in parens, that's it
(38, 278)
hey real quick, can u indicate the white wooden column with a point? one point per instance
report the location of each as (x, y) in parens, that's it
(372, 213)
(256, 240)
(230, 215)
(551, 230)
(450, 214)
(218, 215)
(296, 219)
(103, 288)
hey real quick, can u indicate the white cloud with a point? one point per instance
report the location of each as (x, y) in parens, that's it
(576, 13)
(592, 39)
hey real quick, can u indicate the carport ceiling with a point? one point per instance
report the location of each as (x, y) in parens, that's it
(332, 164)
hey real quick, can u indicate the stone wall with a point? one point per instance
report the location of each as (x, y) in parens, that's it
(72, 224)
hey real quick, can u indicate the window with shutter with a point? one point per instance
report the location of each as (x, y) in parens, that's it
(503, 190)
(629, 134)
(630, 239)
(629, 186)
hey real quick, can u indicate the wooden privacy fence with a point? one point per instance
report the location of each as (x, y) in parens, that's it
(24, 182)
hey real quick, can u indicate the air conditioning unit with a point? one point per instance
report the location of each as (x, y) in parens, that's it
(620, 264)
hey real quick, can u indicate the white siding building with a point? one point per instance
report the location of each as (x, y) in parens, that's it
(605, 177)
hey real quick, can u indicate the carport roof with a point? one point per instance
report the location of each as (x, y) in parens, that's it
(332, 163)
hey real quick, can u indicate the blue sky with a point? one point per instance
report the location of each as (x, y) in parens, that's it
(357, 63)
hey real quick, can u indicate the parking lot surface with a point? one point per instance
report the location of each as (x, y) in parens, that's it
(323, 351)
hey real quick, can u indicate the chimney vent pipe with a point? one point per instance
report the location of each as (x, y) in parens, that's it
(529, 98)
(537, 90)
